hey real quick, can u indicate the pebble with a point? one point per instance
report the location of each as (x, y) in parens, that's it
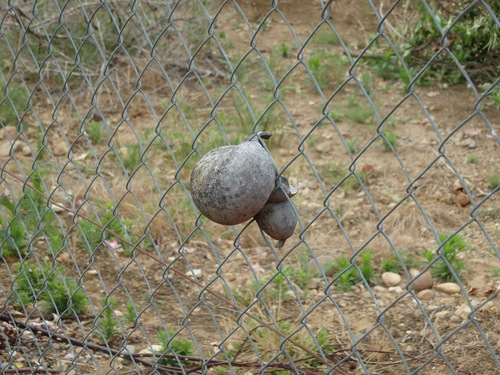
(26, 151)
(313, 283)
(195, 272)
(448, 288)
(391, 279)
(442, 314)
(463, 311)
(60, 149)
(326, 262)
(396, 289)
(424, 281)
(463, 199)
(4, 149)
(379, 289)
(425, 295)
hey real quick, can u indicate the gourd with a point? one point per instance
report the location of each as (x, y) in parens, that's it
(278, 220)
(231, 184)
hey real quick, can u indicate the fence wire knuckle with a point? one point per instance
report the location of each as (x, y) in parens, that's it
(386, 113)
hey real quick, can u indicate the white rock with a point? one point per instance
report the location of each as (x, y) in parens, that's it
(195, 272)
(448, 288)
(391, 279)
(379, 289)
(442, 314)
(463, 311)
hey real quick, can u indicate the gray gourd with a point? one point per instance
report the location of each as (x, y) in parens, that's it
(231, 184)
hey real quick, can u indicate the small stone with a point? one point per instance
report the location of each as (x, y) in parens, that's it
(379, 289)
(26, 151)
(396, 289)
(448, 288)
(469, 143)
(60, 149)
(4, 149)
(326, 262)
(463, 311)
(463, 199)
(69, 356)
(313, 283)
(442, 314)
(324, 147)
(425, 295)
(368, 168)
(448, 301)
(424, 281)
(391, 279)
(454, 319)
(195, 272)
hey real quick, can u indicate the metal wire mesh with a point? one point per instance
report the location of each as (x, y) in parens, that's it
(381, 110)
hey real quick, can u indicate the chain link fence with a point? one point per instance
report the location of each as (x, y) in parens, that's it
(386, 113)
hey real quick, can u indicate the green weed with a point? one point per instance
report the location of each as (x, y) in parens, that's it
(389, 140)
(325, 37)
(327, 68)
(46, 284)
(450, 251)
(13, 103)
(472, 158)
(174, 346)
(96, 131)
(301, 273)
(351, 145)
(347, 275)
(494, 180)
(108, 323)
(284, 50)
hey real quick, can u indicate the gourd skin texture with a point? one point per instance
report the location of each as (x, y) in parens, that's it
(231, 184)
(278, 220)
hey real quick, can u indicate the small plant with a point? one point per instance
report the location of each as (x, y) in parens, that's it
(12, 233)
(13, 104)
(325, 37)
(96, 131)
(284, 50)
(173, 346)
(347, 275)
(351, 145)
(472, 158)
(392, 263)
(352, 182)
(450, 251)
(279, 288)
(389, 141)
(303, 273)
(366, 266)
(496, 271)
(44, 283)
(130, 314)
(494, 180)
(108, 322)
(327, 68)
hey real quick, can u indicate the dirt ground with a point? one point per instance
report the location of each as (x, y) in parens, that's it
(408, 197)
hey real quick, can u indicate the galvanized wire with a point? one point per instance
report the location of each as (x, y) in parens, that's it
(84, 216)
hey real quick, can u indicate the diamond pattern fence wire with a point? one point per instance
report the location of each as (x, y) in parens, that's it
(386, 113)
